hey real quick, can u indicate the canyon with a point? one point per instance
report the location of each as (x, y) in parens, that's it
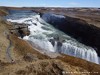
(45, 38)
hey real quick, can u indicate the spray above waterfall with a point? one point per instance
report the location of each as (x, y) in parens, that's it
(50, 39)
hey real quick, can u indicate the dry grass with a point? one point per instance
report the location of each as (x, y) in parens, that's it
(94, 20)
(49, 67)
(90, 67)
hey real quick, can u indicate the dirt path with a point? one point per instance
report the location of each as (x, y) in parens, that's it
(8, 52)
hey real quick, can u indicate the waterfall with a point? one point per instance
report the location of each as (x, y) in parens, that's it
(67, 48)
(44, 44)
(42, 35)
(88, 54)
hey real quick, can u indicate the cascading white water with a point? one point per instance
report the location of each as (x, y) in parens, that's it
(44, 44)
(41, 33)
(88, 54)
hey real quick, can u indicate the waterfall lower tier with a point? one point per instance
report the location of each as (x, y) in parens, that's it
(67, 48)
(87, 54)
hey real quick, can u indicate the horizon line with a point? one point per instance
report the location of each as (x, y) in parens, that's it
(48, 7)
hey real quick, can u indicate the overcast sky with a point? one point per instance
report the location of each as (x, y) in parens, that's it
(50, 3)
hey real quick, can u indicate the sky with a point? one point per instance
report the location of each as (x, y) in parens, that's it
(50, 3)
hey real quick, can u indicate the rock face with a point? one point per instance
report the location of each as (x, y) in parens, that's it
(77, 28)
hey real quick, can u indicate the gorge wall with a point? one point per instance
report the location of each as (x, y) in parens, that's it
(77, 28)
